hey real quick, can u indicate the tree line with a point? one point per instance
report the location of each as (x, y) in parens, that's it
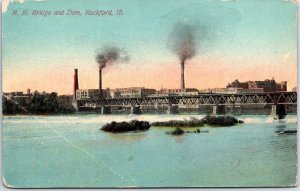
(37, 103)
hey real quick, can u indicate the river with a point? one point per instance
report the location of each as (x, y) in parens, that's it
(71, 151)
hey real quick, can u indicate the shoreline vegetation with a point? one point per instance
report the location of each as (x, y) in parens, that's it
(38, 104)
(135, 125)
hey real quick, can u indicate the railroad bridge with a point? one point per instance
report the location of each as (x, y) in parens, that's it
(278, 100)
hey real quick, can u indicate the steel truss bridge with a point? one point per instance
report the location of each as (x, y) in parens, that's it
(269, 98)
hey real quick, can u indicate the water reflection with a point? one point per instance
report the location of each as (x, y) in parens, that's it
(281, 128)
(179, 138)
(127, 137)
(285, 139)
(281, 125)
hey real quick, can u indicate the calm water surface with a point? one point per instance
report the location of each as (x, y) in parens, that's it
(71, 151)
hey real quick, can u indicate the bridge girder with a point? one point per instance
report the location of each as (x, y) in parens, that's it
(272, 98)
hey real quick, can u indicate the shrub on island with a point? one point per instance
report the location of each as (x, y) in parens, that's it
(197, 131)
(176, 131)
(123, 127)
(192, 122)
(221, 121)
(179, 131)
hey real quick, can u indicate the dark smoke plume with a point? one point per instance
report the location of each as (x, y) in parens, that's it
(110, 55)
(182, 41)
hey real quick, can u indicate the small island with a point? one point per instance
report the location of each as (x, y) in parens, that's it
(179, 131)
(215, 121)
(122, 127)
(135, 125)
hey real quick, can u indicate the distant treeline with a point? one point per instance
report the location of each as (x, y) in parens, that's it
(37, 103)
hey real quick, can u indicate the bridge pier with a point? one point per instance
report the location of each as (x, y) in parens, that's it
(75, 105)
(219, 110)
(173, 109)
(279, 110)
(105, 110)
(273, 111)
(136, 110)
(233, 109)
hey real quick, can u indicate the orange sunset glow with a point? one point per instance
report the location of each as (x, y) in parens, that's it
(201, 73)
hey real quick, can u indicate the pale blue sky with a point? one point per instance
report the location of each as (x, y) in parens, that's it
(244, 28)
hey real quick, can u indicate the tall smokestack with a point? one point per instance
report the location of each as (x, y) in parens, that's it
(100, 83)
(76, 86)
(182, 85)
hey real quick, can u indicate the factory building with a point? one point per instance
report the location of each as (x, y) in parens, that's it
(87, 93)
(186, 91)
(132, 92)
(17, 94)
(267, 85)
(180, 92)
(233, 90)
(13, 93)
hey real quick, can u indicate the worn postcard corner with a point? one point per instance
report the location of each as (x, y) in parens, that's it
(149, 94)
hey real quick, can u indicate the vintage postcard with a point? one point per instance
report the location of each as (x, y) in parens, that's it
(149, 93)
